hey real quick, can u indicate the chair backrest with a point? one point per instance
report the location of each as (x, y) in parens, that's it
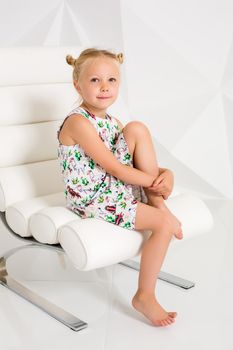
(36, 93)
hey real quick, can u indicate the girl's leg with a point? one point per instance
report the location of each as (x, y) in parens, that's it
(140, 145)
(152, 256)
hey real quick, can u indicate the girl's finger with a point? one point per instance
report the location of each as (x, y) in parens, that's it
(157, 181)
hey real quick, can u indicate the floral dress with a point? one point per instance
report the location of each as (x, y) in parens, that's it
(90, 191)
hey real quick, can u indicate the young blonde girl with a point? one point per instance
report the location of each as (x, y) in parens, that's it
(111, 173)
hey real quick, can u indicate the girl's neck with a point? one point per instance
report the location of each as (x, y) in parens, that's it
(98, 113)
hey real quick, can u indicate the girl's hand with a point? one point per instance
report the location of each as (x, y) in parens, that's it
(163, 184)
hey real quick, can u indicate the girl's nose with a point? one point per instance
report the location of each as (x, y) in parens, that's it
(104, 88)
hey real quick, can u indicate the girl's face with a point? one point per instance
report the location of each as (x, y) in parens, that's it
(98, 83)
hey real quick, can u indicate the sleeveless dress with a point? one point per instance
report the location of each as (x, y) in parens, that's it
(90, 191)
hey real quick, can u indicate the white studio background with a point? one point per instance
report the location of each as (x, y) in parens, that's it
(178, 75)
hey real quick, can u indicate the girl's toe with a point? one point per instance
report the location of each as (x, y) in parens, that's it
(166, 322)
(170, 320)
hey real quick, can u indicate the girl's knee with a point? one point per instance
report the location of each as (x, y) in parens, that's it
(161, 223)
(137, 127)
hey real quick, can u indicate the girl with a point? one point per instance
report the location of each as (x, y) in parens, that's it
(110, 171)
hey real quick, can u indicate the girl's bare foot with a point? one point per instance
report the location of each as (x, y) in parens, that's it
(149, 307)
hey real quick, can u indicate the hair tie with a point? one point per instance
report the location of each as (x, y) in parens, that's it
(70, 60)
(120, 57)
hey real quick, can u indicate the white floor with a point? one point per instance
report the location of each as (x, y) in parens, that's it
(102, 298)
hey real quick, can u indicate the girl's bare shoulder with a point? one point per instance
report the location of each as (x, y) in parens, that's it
(73, 123)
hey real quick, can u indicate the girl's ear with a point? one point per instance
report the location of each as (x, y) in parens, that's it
(76, 85)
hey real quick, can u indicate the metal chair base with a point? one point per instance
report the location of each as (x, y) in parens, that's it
(167, 277)
(51, 309)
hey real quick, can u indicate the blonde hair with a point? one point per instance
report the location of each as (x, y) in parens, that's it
(92, 52)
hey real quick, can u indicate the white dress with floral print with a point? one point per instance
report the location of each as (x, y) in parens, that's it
(90, 191)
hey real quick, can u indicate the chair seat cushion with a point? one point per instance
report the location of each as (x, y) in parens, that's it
(93, 243)
(44, 224)
(18, 214)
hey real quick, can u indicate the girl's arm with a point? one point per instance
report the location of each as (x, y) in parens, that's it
(84, 133)
(164, 183)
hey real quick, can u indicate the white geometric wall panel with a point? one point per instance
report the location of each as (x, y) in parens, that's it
(204, 147)
(181, 57)
(177, 76)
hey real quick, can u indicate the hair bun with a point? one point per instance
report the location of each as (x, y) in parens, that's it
(70, 60)
(120, 57)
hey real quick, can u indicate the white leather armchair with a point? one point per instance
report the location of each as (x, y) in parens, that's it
(36, 93)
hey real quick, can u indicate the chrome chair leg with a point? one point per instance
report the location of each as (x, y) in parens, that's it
(167, 277)
(51, 309)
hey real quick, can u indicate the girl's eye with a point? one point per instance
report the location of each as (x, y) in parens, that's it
(96, 79)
